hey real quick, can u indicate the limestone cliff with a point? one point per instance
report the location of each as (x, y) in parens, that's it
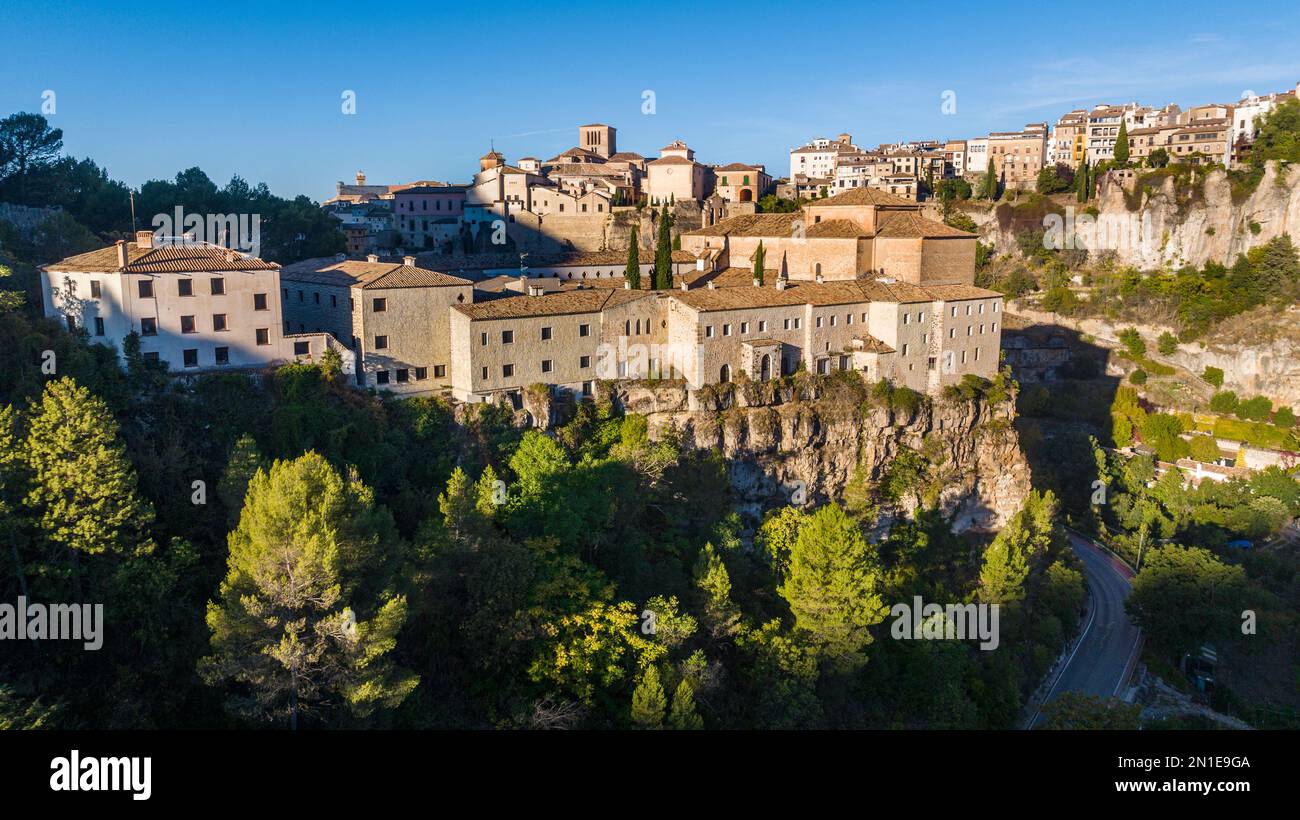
(1182, 222)
(773, 435)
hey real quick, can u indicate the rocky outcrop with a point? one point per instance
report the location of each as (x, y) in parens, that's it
(1163, 220)
(779, 437)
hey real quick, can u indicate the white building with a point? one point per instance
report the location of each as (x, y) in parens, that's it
(194, 306)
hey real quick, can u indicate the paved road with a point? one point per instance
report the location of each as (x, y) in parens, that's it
(1103, 661)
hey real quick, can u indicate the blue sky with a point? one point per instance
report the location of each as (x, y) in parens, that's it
(147, 89)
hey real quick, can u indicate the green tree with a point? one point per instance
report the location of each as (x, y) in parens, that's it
(1083, 182)
(244, 462)
(305, 617)
(1133, 342)
(989, 183)
(1284, 417)
(663, 274)
(714, 583)
(83, 486)
(759, 256)
(1205, 449)
(1031, 539)
(648, 701)
(1184, 596)
(683, 716)
(1214, 376)
(833, 586)
(1158, 158)
(1121, 145)
(1224, 401)
(1167, 344)
(632, 273)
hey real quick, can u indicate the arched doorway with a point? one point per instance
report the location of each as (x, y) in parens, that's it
(746, 195)
(765, 368)
(724, 374)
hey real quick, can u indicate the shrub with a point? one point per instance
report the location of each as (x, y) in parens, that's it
(1138, 376)
(1133, 341)
(1205, 449)
(1225, 401)
(1167, 344)
(1284, 418)
(1258, 408)
(1214, 376)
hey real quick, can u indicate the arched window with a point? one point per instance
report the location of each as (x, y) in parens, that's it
(724, 374)
(817, 268)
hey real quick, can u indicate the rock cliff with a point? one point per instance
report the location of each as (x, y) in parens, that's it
(777, 437)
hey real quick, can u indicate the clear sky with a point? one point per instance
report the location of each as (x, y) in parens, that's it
(149, 88)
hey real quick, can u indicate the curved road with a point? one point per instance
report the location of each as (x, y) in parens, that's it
(1104, 658)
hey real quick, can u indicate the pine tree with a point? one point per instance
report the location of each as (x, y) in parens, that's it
(244, 462)
(759, 256)
(457, 503)
(832, 586)
(1121, 145)
(83, 486)
(648, 701)
(663, 275)
(11, 492)
(301, 619)
(487, 495)
(683, 714)
(1028, 542)
(712, 579)
(633, 271)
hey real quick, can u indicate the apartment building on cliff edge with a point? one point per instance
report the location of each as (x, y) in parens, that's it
(857, 281)
(195, 306)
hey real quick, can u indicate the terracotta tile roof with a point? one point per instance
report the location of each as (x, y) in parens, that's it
(738, 166)
(751, 225)
(909, 224)
(835, 229)
(957, 293)
(672, 161)
(871, 344)
(862, 196)
(626, 155)
(551, 304)
(368, 275)
(165, 259)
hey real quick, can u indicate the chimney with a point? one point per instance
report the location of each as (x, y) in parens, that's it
(684, 285)
(757, 283)
(627, 284)
(712, 285)
(820, 279)
(121, 254)
(144, 239)
(408, 261)
(372, 257)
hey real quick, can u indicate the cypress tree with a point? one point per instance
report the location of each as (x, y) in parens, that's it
(759, 256)
(683, 714)
(632, 273)
(663, 276)
(1121, 145)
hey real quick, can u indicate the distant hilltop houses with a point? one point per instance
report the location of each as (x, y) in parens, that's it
(561, 203)
(1214, 133)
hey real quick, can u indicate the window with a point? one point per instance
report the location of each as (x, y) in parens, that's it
(507, 371)
(217, 285)
(299, 296)
(185, 287)
(546, 334)
(421, 373)
(263, 335)
(334, 301)
(187, 324)
(798, 323)
(907, 318)
(316, 297)
(819, 321)
(301, 348)
(744, 327)
(259, 301)
(762, 325)
(403, 375)
(482, 339)
(94, 289)
(906, 347)
(507, 337)
(71, 320)
(148, 327)
(708, 332)
(726, 330)
(584, 330)
(190, 357)
(787, 325)
(222, 355)
(381, 377)
(151, 356)
(547, 366)
(440, 371)
(994, 327)
(584, 362)
(99, 326)
(381, 305)
(146, 288)
(485, 373)
(381, 343)
(219, 322)
(832, 320)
